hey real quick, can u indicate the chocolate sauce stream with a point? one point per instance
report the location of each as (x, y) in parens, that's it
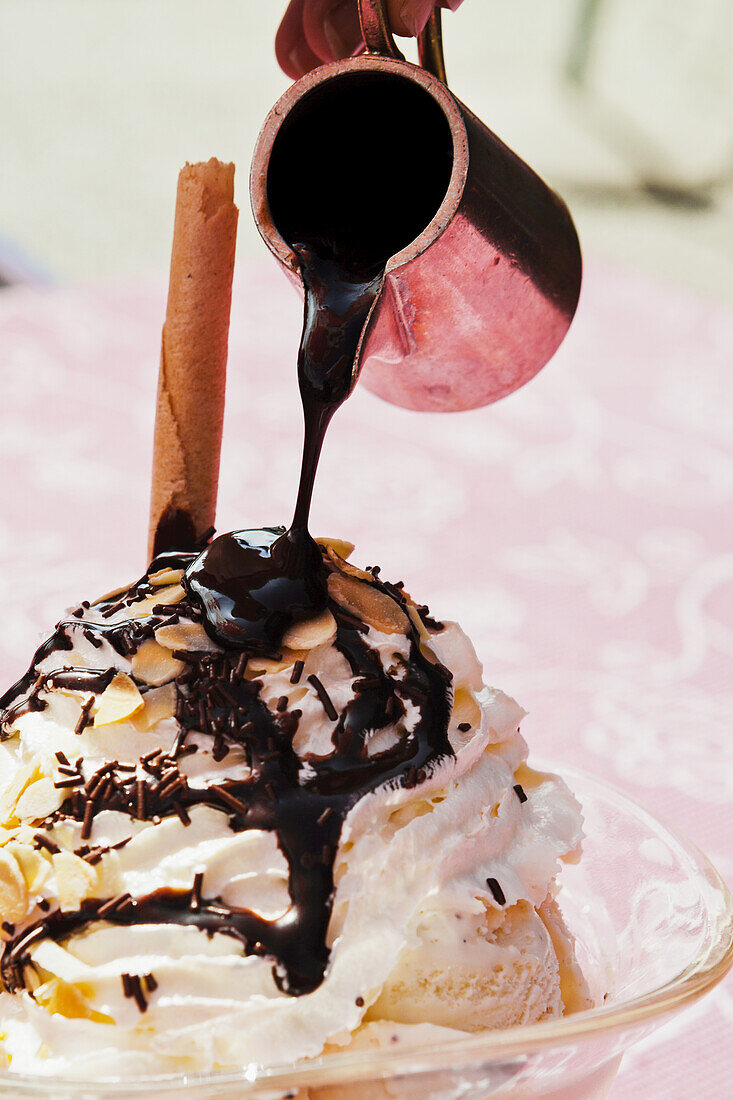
(253, 585)
(338, 300)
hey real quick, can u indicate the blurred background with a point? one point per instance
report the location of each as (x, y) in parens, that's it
(626, 106)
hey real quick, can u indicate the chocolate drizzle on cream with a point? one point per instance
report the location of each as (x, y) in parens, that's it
(303, 800)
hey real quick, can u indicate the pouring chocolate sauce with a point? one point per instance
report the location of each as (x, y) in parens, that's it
(343, 223)
(248, 587)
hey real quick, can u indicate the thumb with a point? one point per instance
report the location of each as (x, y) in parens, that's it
(408, 17)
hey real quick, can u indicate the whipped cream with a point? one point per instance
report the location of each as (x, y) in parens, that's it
(440, 875)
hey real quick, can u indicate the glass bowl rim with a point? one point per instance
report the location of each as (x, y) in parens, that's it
(708, 968)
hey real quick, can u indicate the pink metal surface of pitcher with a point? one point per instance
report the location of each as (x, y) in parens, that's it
(480, 299)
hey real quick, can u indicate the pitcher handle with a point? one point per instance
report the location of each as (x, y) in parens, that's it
(376, 30)
(430, 47)
(379, 39)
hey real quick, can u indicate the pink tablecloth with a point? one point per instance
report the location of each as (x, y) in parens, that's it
(580, 530)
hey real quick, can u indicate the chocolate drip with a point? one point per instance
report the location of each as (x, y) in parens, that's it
(21, 697)
(175, 528)
(253, 585)
(94, 680)
(124, 637)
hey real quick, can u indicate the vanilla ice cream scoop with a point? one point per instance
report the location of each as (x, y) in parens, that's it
(216, 854)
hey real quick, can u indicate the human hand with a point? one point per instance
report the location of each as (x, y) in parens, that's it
(315, 31)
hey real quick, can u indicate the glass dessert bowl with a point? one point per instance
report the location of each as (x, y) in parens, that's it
(654, 928)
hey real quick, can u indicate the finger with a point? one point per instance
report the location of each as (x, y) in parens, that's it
(294, 55)
(408, 17)
(452, 5)
(332, 28)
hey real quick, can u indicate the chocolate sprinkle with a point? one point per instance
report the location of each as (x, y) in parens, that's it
(182, 812)
(496, 890)
(520, 792)
(324, 697)
(132, 988)
(41, 841)
(84, 719)
(140, 799)
(86, 828)
(73, 781)
(198, 879)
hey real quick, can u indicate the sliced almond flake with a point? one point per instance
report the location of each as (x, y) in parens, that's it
(75, 880)
(154, 664)
(118, 701)
(34, 865)
(169, 595)
(166, 576)
(346, 566)
(70, 659)
(530, 778)
(8, 728)
(13, 890)
(422, 630)
(311, 632)
(32, 981)
(110, 882)
(24, 776)
(184, 636)
(367, 603)
(112, 595)
(64, 999)
(342, 547)
(39, 800)
(257, 666)
(465, 708)
(25, 834)
(160, 703)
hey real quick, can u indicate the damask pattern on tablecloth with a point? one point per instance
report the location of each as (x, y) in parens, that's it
(580, 530)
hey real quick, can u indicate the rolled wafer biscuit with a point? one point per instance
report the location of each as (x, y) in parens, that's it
(193, 359)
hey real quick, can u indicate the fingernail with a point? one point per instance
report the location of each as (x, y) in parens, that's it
(413, 20)
(341, 29)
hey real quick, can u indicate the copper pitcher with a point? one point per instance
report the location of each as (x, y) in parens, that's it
(485, 267)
